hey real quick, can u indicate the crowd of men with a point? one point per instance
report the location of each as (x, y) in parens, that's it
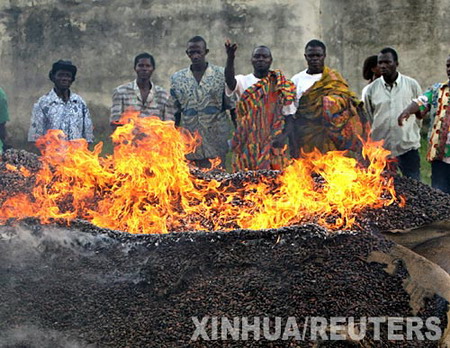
(271, 118)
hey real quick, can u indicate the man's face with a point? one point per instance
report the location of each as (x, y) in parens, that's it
(315, 57)
(387, 64)
(261, 59)
(63, 79)
(144, 69)
(197, 52)
(448, 68)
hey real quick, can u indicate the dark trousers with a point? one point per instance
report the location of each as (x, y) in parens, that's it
(440, 176)
(409, 164)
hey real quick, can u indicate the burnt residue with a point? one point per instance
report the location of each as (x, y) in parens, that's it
(110, 289)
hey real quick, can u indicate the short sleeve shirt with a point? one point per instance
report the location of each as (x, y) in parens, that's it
(72, 117)
(435, 100)
(303, 81)
(203, 109)
(4, 115)
(128, 97)
(245, 81)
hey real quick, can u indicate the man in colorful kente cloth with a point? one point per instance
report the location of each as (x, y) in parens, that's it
(264, 99)
(435, 102)
(329, 116)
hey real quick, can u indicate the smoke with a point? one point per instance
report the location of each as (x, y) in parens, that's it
(50, 274)
(38, 238)
(34, 337)
(26, 247)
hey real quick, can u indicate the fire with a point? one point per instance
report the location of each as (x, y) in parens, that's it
(146, 186)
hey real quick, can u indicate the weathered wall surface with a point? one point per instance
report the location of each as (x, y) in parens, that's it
(418, 30)
(102, 36)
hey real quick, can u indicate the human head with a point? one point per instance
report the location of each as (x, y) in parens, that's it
(197, 50)
(145, 55)
(315, 53)
(448, 67)
(261, 60)
(62, 65)
(144, 65)
(370, 68)
(388, 63)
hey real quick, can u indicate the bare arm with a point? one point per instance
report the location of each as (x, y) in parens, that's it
(229, 68)
(177, 117)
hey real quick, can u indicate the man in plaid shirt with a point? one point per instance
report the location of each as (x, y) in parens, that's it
(141, 94)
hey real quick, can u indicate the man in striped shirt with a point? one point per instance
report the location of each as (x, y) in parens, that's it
(141, 94)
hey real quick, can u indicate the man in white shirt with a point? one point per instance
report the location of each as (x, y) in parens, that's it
(264, 97)
(385, 99)
(304, 80)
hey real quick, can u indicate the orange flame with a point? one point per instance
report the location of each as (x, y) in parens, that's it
(146, 186)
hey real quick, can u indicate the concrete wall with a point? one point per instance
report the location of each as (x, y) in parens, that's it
(418, 30)
(102, 36)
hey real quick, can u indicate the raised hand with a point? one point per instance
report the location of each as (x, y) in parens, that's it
(230, 49)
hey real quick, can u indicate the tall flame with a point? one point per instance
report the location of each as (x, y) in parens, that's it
(146, 186)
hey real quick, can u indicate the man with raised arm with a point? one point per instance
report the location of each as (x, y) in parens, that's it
(264, 99)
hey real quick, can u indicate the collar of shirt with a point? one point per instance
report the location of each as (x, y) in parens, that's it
(137, 91)
(53, 98)
(208, 72)
(395, 84)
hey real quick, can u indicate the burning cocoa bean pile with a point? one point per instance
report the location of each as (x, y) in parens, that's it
(83, 286)
(423, 204)
(92, 287)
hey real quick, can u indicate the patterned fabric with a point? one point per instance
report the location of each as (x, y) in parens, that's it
(384, 103)
(72, 117)
(128, 97)
(203, 109)
(436, 101)
(259, 121)
(4, 115)
(329, 117)
(303, 81)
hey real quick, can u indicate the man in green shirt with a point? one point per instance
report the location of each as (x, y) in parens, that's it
(435, 102)
(4, 117)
